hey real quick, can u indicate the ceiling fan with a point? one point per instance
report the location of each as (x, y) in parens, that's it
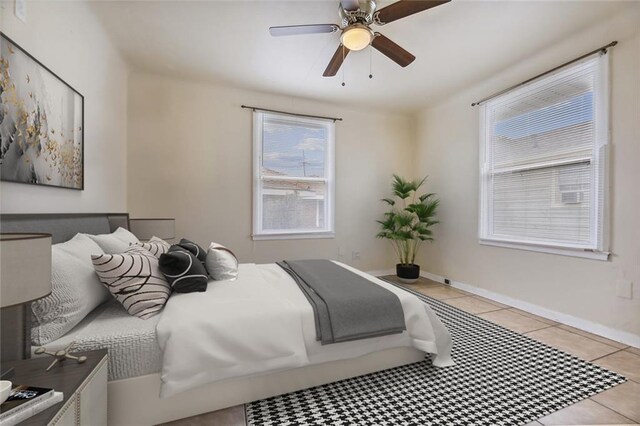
(356, 18)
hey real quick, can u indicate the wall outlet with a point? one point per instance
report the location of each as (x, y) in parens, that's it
(341, 253)
(20, 10)
(624, 289)
(355, 255)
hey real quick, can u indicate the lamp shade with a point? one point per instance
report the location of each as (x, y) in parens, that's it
(144, 229)
(25, 268)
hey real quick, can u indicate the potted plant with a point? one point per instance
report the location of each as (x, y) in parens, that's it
(408, 223)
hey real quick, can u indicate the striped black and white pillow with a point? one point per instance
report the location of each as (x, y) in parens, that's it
(155, 245)
(183, 270)
(134, 279)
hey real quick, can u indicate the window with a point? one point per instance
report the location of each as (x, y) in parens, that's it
(543, 163)
(293, 189)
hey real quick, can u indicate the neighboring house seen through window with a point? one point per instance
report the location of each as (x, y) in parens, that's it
(293, 189)
(543, 163)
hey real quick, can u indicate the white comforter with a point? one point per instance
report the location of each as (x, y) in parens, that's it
(262, 322)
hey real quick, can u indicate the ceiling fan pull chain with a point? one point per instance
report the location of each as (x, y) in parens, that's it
(343, 67)
(370, 62)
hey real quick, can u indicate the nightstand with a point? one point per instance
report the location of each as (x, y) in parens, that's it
(84, 386)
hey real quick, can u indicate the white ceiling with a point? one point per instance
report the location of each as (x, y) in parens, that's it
(228, 42)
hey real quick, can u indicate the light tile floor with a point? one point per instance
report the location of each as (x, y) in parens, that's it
(616, 406)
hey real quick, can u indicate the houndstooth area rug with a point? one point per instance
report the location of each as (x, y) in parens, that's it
(500, 378)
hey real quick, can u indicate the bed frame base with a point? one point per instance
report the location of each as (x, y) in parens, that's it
(136, 401)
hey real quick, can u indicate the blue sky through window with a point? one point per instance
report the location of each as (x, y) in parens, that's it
(538, 121)
(293, 150)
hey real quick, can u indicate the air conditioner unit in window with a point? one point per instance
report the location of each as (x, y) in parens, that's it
(572, 197)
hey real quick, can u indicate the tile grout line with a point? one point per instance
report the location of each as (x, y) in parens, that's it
(609, 408)
(448, 298)
(534, 316)
(526, 333)
(604, 356)
(578, 334)
(613, 353)
(483, 312)
(500, 309)
(497, 308)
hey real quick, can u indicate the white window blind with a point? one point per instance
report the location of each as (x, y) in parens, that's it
(543, 162)
(293, 191)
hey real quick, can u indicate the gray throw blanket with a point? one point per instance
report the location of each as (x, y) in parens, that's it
(346, 306)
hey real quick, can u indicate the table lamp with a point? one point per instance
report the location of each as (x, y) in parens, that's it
(25, 275)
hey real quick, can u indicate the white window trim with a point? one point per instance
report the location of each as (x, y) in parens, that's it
(258, 232)
(563, 251)
(602, 111)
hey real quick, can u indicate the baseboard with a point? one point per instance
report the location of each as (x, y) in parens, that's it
(580, 323)
(432, 277)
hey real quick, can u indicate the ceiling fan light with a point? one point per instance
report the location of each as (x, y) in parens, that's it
(356, 37)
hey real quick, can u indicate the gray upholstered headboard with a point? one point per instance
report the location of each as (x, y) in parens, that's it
(63, 226)
(15, 336)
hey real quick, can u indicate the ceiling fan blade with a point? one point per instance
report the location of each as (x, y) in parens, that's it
(403, 8)
(336, 61)
(350, 4)
(394, 52)
(303, 29)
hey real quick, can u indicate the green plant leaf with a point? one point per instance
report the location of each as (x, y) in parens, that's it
(407, 226)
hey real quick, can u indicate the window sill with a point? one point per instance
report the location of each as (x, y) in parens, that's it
(587, 254)
(294, 236)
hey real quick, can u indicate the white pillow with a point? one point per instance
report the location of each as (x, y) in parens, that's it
(221, 263)
(76, 290)
(116, 242)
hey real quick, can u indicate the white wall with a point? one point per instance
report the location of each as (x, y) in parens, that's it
(68, 39)
(190, 157)
(447, 151)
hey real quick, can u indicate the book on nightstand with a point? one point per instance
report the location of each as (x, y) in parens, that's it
(27, 401)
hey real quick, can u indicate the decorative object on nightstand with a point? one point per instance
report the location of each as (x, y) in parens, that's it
(408, 223)
(5, 390)
(25, 275)
(27, 401)
(84, 387)
(61, 355)
(145, 228)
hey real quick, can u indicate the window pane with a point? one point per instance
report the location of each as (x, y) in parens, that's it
(552, 123)
(550, 204)
(543, 171)
(288, 205)
(293, 148)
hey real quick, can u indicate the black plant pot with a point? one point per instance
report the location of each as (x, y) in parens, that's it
(408, 273)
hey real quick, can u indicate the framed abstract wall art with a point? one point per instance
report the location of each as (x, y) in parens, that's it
(41, 123)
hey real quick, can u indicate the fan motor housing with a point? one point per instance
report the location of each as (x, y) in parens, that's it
(362, 15)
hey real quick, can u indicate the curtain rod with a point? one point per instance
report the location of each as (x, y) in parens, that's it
(602, 50)
(290, 113)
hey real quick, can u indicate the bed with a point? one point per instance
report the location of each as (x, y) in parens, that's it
(136, 369)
